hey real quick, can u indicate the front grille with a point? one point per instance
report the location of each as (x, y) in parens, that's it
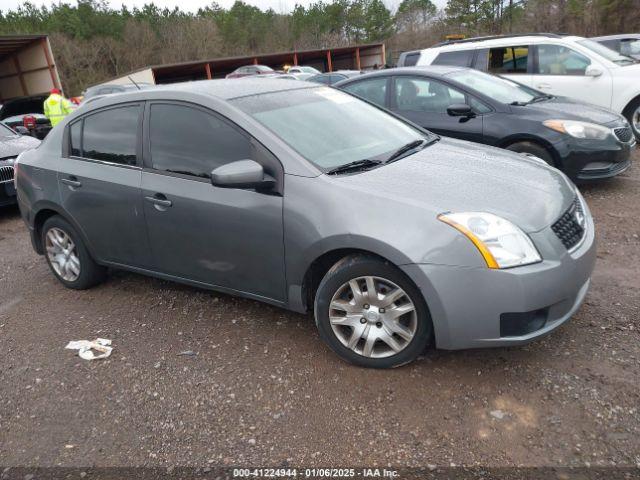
(6, 174)
(624, 134)
(570, 227)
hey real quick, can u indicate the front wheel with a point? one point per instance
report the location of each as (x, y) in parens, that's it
(371, 314)
(532, 149)
(632, 114)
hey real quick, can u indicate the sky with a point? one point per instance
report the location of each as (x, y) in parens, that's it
(280, 6)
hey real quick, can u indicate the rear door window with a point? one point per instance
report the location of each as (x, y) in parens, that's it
(459, 58)
(411, 59)
(508, 59)
(191, 141)
(75, 137)
(112, 135)
(373, 90)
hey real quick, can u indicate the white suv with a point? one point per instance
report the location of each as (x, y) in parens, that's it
(555, 64)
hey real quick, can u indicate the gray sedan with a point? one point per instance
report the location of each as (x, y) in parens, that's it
(307, 198)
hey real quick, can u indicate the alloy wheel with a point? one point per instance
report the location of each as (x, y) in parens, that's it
(373, 317)
(62, 254)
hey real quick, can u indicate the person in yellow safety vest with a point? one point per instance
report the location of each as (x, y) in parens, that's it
(56, 107)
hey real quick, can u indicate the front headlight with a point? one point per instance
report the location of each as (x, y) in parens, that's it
(576, 129)
(501, 243)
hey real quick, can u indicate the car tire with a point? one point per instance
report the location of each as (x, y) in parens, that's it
(629, 113)
(363, 341)
(533, 149)
(68, 257)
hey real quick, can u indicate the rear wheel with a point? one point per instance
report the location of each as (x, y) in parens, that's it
(68, 257)
(532, 149)
(371, 314)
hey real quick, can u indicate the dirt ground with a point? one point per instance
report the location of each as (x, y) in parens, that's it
(262, 390)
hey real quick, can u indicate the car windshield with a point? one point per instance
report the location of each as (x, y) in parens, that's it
(6, 132)
(630, 46)
(500, 89)
(328, 127)
(607, 53)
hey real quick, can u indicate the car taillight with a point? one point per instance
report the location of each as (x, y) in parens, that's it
(29, 121)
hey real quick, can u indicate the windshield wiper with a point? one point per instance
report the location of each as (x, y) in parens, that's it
(538, 98)
(407, 148)
(356, 165)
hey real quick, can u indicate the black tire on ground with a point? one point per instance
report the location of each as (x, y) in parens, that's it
(90, 272)
(628, 114)
(356, 266)
(534, 149)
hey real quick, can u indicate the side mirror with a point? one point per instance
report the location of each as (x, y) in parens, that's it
(591, 71)
(242, 174)
(460, 110)
(21, 130)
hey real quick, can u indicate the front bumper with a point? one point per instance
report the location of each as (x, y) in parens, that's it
(468, 306)
(585, 160)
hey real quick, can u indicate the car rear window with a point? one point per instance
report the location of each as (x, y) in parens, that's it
(509, 59)
(459, 58)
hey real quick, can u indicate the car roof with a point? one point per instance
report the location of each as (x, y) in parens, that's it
(619, 36)
(225, 89)
(436, 70)
(472, 43)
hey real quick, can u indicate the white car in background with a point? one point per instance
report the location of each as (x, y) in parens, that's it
(554, 64)
(302, 72)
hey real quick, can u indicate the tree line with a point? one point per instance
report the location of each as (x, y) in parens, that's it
(93, 42)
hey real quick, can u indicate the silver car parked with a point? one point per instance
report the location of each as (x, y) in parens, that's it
(307, 198)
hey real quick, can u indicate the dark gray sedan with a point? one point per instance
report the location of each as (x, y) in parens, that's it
(305, 197)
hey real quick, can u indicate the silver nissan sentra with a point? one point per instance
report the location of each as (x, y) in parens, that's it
(304, 197)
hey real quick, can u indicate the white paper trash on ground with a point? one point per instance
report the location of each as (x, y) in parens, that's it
(85, 348)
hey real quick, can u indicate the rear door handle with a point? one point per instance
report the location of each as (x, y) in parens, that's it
(545, 86)
(159, 200)
(72, 182)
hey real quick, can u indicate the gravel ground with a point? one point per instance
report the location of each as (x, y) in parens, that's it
(260, 389)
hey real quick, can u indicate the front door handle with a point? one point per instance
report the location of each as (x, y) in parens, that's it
(72, 182)
(159, 200)
(544, 86)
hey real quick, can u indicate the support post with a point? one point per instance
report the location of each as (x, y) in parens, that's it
(329, 66)
(50, 65)
(295, 59)
(358, 58)
(207, 69)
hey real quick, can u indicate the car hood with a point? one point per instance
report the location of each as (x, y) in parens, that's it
(13, 146)
(563, 108)
(459, 176)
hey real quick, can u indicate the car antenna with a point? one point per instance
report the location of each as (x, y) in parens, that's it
(133, 81)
